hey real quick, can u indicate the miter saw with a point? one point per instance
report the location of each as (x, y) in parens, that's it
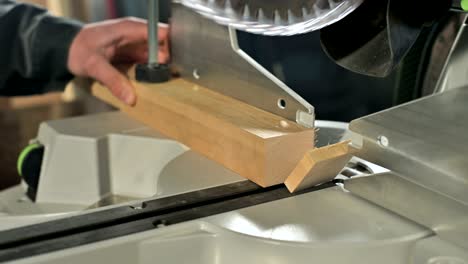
(106, 188)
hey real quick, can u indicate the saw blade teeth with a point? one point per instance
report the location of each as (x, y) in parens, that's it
(274, 17)
(211, 3)
(246, 13)
(261, 15)
(291, 17)
(227, 5)
(305, 13)
(228, 9)
(317, 10)
(277, 17)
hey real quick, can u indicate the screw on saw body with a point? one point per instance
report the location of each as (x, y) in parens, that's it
(383, 141)
(153, 71)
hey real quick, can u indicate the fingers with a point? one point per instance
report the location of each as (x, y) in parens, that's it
(163, 32)
(137, 52)
(99, 45)
(132, 54)
(163, 52)
(163, 56)
(101, 70)
(129, 30)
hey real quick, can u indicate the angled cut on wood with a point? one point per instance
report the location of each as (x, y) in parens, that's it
(320, 165)
(256, 144)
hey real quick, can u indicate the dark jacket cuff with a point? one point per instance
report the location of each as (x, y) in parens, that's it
(51, 47)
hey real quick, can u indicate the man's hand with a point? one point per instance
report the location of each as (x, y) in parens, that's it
(100, 45)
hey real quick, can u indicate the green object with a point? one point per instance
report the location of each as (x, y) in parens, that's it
(25, 154)
(464, 5)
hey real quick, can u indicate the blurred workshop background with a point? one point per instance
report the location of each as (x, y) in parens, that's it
(337, 94)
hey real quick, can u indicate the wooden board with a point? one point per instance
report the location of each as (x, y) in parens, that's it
(320, 165)
(256, 144)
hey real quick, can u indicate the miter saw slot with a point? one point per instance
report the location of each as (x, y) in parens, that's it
(125, 220)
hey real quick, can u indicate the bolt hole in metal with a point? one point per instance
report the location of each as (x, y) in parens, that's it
(383, 141)
(138, 206)
(196, 75)
(282, 103)
(160, 223)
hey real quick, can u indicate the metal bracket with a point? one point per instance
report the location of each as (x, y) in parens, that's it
(208, 54)
(424, 141)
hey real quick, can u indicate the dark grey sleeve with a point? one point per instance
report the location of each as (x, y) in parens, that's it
(33, 49)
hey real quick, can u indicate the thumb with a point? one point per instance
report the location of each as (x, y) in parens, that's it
(115, 81)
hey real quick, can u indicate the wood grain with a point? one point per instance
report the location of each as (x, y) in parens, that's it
(257, 145)
(320, 165)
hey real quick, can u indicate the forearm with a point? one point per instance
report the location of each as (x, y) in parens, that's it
(33, 49)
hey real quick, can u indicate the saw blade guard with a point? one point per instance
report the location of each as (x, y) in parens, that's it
(274, 17)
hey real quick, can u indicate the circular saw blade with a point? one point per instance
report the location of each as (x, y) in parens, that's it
(274, 17)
